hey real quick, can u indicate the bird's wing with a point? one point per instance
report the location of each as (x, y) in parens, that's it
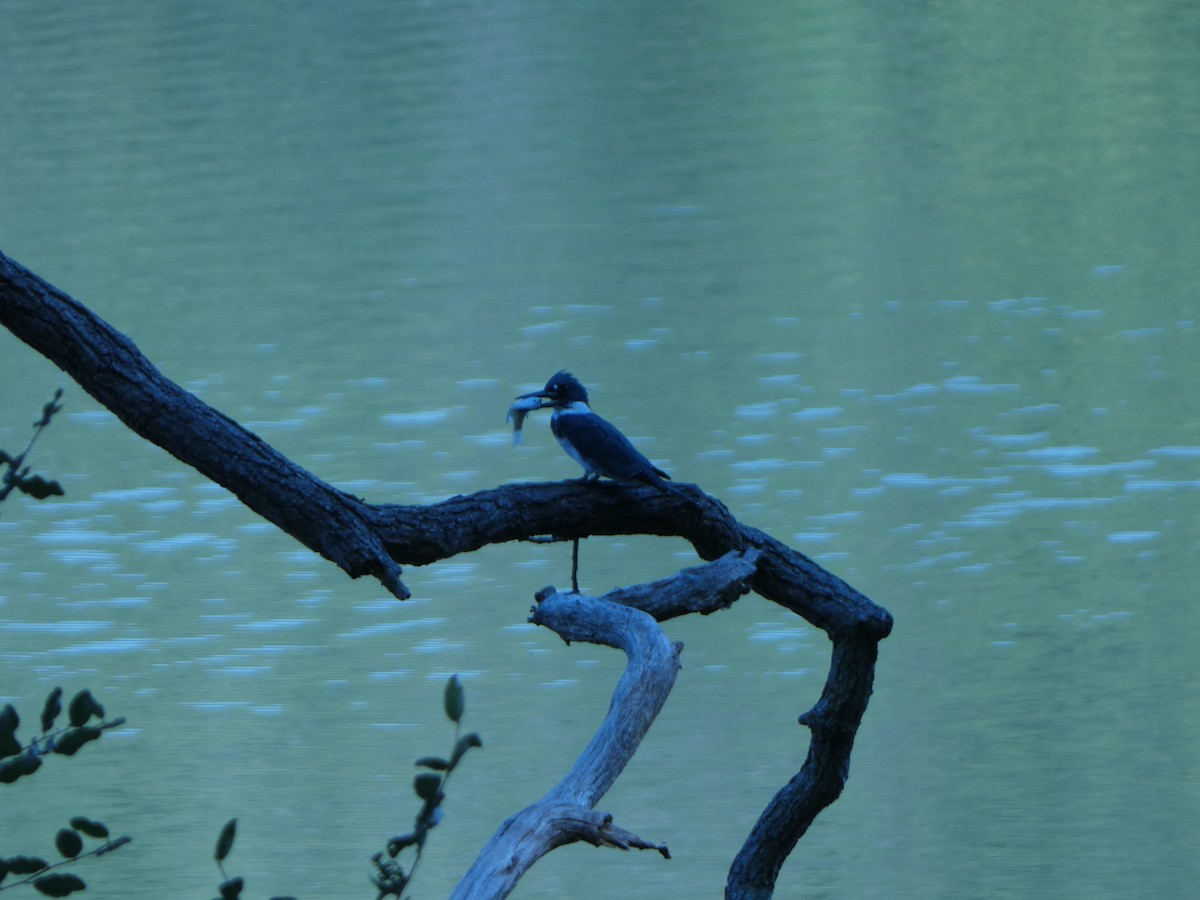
(602, 444)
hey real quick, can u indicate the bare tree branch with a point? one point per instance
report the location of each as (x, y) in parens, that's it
(565, 814)
(111, 368)
(367, 539)
(834, 722)
(418, 535)
(700, 589)
(532, 833)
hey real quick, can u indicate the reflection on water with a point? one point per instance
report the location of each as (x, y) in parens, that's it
(914, 294)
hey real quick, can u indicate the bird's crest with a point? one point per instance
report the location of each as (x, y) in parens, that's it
(563, 385)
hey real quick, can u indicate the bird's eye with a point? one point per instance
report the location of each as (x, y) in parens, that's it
(554, 388)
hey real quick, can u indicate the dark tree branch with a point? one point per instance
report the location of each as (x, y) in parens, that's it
(111, 368)
(700, 589)
(833, 722)
(366, 539)
(418, 535)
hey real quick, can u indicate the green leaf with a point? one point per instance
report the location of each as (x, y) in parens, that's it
(399, 842)
(70, 742)
(68, 842)
(60, 884)
(25, 865)
(51, 710)
(426, 785)
(433, 762)
(455, 701)
(462, 745)
(9, 721)
(40, 488)
(225, 841)
(82, 707)
(90, 827)
(12, 769)
(9, 745)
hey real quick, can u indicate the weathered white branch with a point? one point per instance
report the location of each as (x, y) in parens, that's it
(639, 695)
(565, 814)
(532, 833)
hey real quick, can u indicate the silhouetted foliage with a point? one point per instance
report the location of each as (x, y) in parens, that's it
(16, 473)
(17, 761)
(230, 888)
(390, 876)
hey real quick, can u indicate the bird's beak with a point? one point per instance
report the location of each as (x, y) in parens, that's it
(543, 394)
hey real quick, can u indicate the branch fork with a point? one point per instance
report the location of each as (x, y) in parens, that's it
(626, 619)
(376, 539)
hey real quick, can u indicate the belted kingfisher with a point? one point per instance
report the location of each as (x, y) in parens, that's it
(593, 442)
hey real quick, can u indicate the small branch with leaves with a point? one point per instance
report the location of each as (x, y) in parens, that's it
(231, 888)
(390, 875)
(70, 845)
(17, 761)
(16, 474)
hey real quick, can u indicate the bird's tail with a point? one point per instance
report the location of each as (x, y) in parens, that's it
(661, 479)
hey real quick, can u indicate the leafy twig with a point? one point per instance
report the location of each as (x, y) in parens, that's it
(70, 847)
(390, 876)
(17, 475)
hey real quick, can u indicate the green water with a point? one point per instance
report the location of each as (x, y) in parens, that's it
(913, 289)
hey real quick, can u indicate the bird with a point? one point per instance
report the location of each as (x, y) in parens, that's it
(592, 441)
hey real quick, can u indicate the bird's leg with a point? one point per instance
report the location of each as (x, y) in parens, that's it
(575, 567)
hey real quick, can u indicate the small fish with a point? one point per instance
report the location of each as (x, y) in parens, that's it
(517, 413)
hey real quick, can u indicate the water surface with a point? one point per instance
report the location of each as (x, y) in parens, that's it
(915, 291)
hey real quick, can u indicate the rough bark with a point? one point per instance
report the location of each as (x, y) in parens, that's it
(833, 721)
(367, 539)
(111, 368)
